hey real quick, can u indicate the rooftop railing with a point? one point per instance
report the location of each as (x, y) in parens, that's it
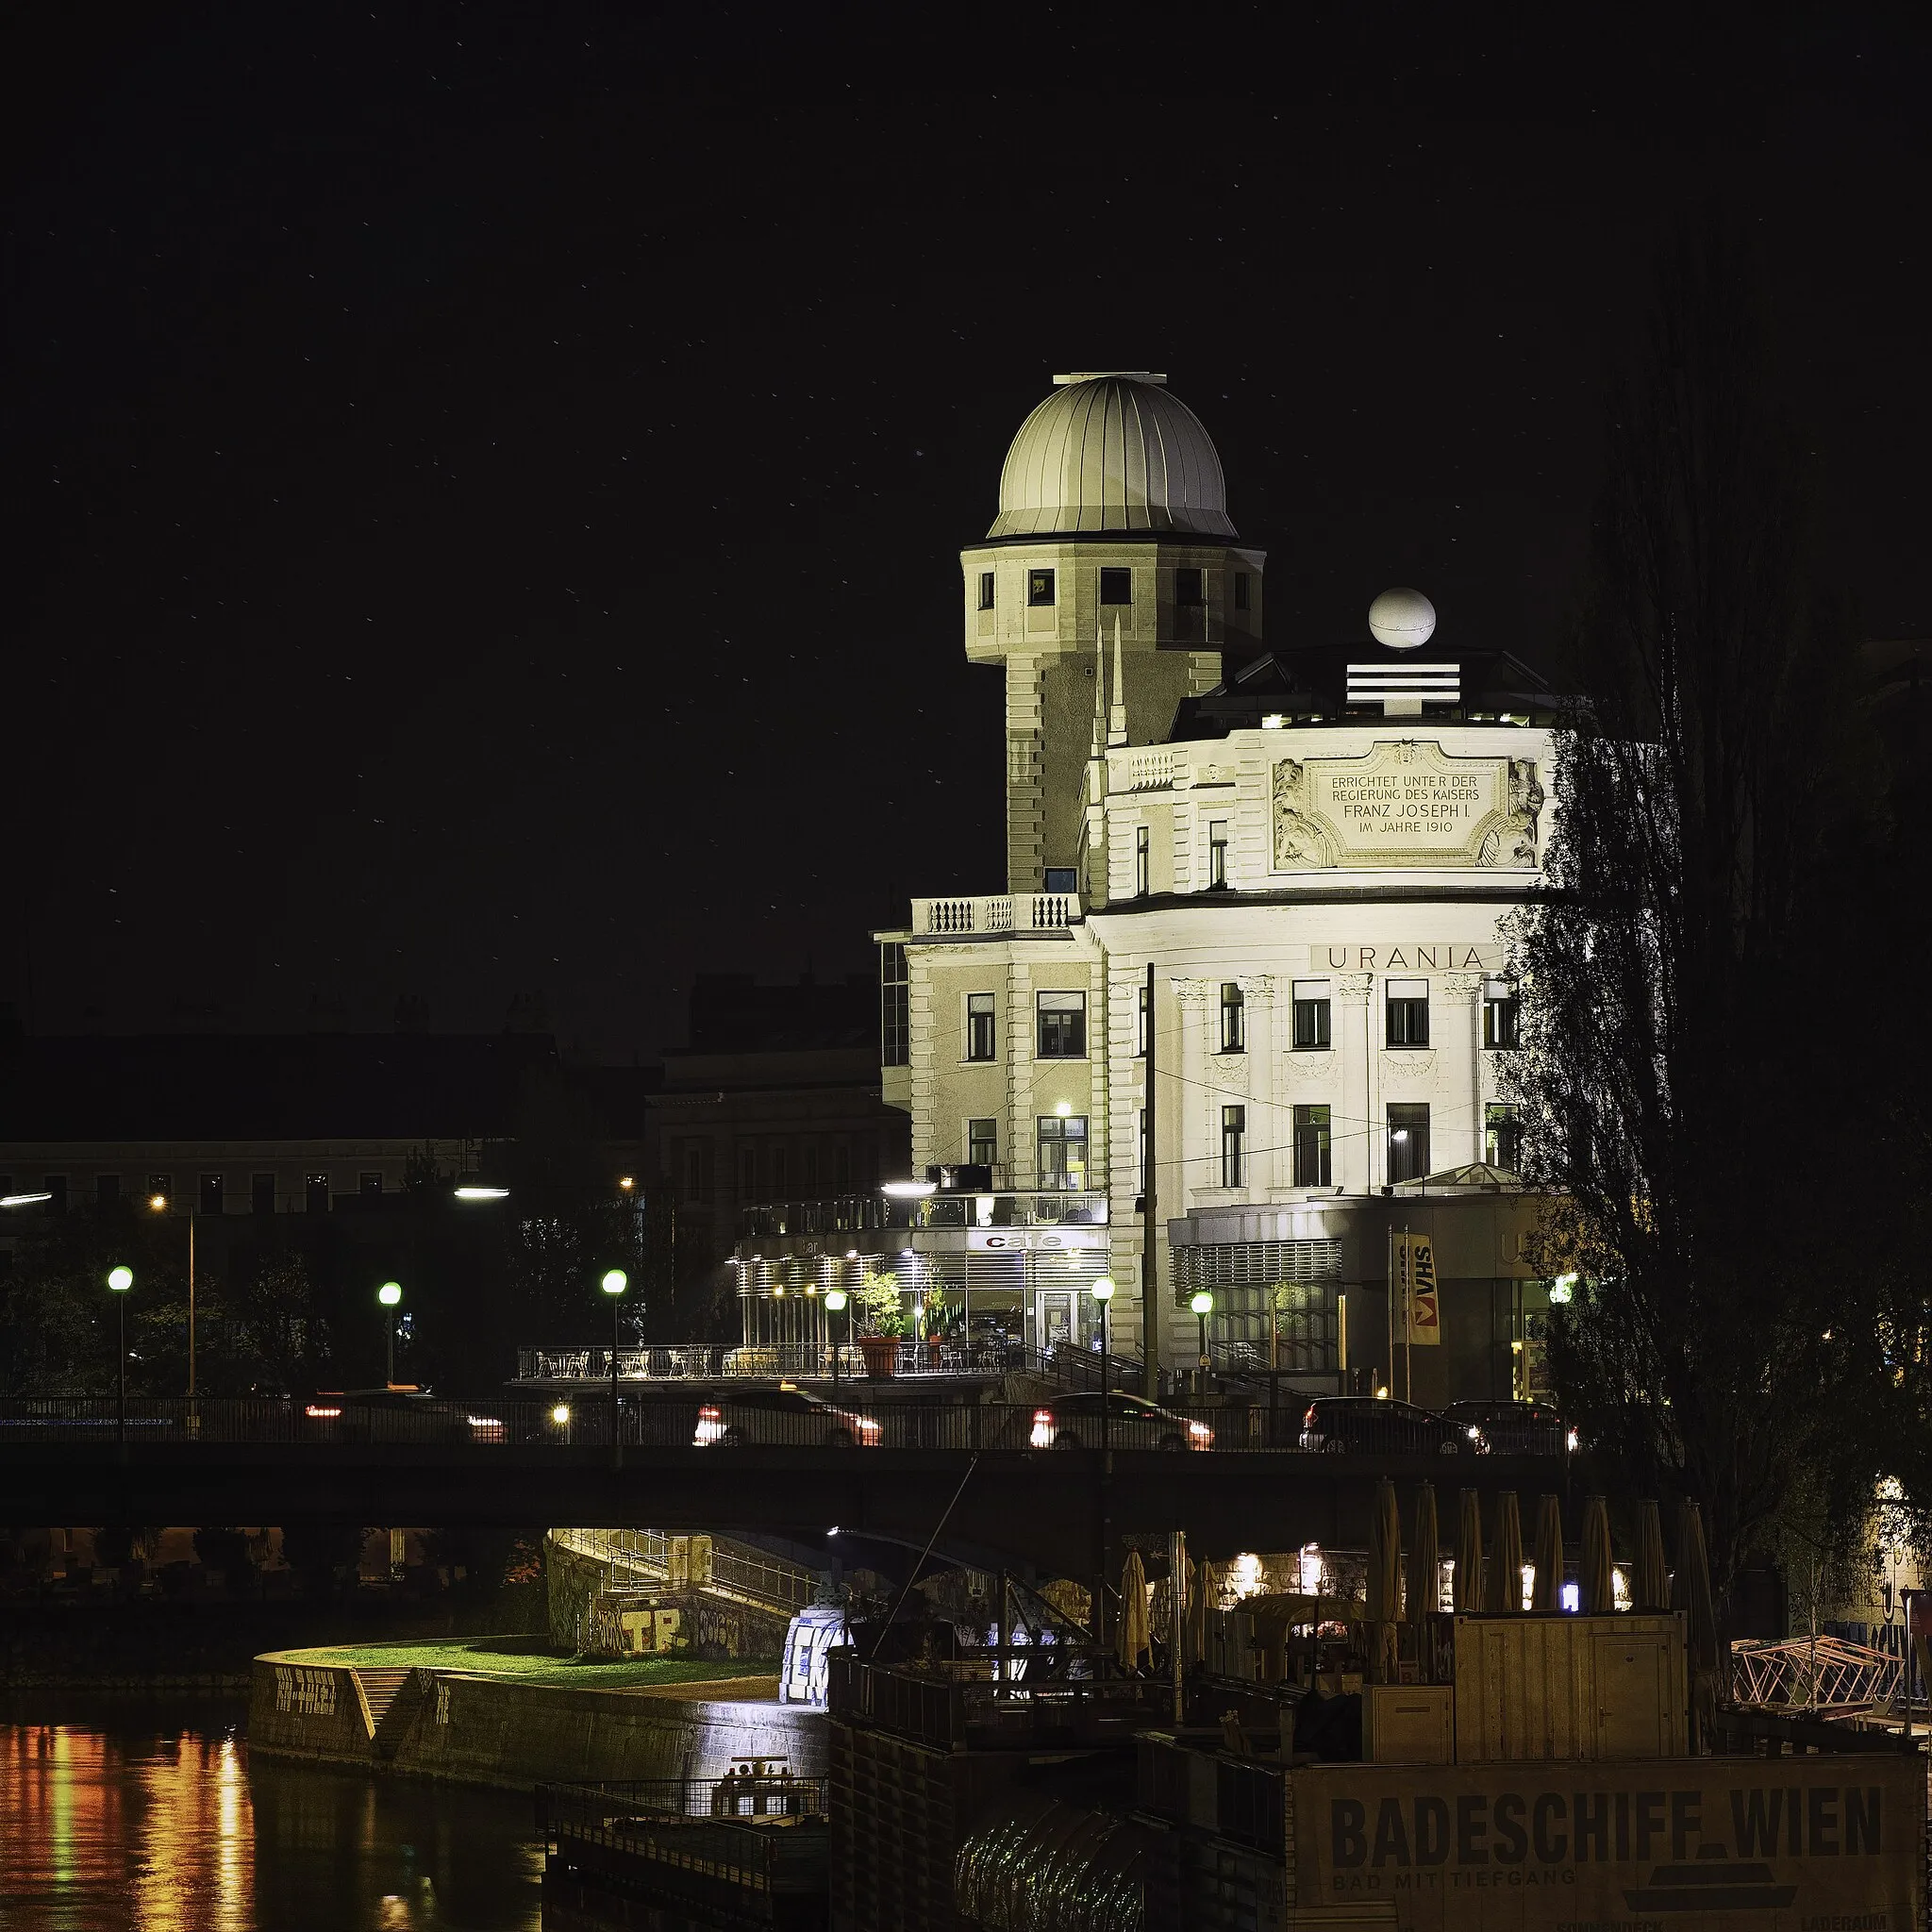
(995, 915)
(892, 1214)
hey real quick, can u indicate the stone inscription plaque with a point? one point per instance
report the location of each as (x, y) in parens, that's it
(1406, 803)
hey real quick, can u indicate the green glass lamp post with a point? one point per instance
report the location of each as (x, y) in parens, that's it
(614, 1283)
(1202, 1305)
(388, 1295)
(1103, 1294)
(835, 1305)
(120, 1280)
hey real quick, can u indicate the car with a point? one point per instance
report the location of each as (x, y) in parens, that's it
(397, 1415)
(1072, 1421)
(1515, 1428)
(788, 1416)
(1375, 1426)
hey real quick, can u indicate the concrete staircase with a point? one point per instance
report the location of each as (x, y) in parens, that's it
(378, 1686)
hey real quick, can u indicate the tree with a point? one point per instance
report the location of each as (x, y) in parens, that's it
(1664, 969)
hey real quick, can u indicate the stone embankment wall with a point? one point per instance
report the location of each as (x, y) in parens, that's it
(476, 1729)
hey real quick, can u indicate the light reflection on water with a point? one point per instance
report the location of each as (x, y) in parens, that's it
(151, 1821)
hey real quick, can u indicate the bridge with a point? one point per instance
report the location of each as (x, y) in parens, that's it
(1049, 1508)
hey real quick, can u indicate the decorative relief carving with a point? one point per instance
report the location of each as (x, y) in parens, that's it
(1229, 1071)
(1299, 840)
(1461, 986)
(1355, 987)
(1307, 1069)
(1408, 1069)
(1512, 843)
(1191, 992)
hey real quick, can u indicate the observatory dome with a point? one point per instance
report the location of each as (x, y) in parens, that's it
(1111, 450)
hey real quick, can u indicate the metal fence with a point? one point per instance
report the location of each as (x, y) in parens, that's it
(795, 1361)
(858, 1415)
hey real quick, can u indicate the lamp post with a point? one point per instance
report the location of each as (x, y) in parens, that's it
(389, 1295)
(614, 1284)
(1103, 1294)
(157, 1203)
(835, 1305)
(1202, 1305)
(121, 1280)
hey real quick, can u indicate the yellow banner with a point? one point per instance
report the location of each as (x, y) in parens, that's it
(1415, 1282)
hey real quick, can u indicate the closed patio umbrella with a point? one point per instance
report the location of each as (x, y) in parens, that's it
(1690, 1587)
(1134, 1641)
(1597, 1591)
(1505, 1580)
(1548, 1593)
(1385, 1562)
(1651, 1585)
(1195, 1624)
(1468, 1553)
(1425, 1558)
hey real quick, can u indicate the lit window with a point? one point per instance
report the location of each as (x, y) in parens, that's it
(1234, 1032)
(1234, 1145)
(979, 1026)
(1313, 1162)
(1503, 1136)
(896, 1003)
(1502, 1022)
(1217, 852)
(1039, 587)
(1060, 1143)
(983, 1142)
(1310, 1015)
(1409, 1141)
(986, 589)
(161, 1185)
(1408, 1013)
(1241, 590)
(1141, 855)
(1187, 588)
(1116, 587)
(1062, 1025)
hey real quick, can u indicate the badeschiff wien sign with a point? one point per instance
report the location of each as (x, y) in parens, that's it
(1831, 1843)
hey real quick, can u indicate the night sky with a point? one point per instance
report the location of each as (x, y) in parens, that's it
(484, 483)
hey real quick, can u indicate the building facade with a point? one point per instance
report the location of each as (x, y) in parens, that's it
(1246, 983)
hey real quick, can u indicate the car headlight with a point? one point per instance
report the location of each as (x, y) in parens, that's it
(1570, 1439)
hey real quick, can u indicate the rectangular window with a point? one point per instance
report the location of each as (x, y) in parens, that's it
(1501, 1016)
(1314, 1158)
(1062, 1027)
(106, 1191)
(810, 1168)
(747, 1173)
(1142, 852)
(1187, 588)
(209, 1196)
(1060, 1150)
(980, 1037)
(1503, 1136)
(1408, 1013)
(315, 1194)
(1234, 1145)
(1234, 1030)
(895, 1006)
(368, 1187)
(982, 1144)
(986, 589)
(1141, 1017)
(56, 1185)
(1310, 1015)
(1116, 585)
(781, 1172)
(161, 1188)
(261, 1194)
(1039, 587)
(697, 1171)
(1217, 852)
(841, 1169)
(1061, 879)
(1241, 590)
(1140, 1156)
(1408, 1139)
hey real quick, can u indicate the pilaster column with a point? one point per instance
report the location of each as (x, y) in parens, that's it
(1459, 1069)
(1357, 1132)
(1270, 1127)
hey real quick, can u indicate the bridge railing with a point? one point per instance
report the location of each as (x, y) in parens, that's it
(858, 1415)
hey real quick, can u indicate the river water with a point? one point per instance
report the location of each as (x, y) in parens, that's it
(151, 1817)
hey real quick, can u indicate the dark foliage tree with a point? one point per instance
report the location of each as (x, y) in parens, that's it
(1670, 1088)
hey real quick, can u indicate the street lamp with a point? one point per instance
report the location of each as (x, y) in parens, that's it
(121, 1280)
(1202, 1305)
(835, 1305)
(157, 1203)
(1103, 1294)
(389, 1295)
(614, 1283)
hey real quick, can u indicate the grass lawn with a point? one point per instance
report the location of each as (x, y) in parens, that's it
(527, 1660)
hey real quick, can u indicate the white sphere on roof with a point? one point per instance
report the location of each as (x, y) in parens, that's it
(1111, 450)
(1402, 620)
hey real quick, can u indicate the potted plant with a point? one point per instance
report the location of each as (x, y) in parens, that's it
(879, 1309)
(933, 1321)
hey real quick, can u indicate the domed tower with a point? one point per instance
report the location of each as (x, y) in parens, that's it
(1114, 524)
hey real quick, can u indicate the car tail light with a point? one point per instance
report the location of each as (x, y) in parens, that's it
(1309, 1419)
(708, 1414)
(489, 1426)
(1202, 1434)
(1043, 1428)
(322, 1412)
(866, 1425)
(711, 1424)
